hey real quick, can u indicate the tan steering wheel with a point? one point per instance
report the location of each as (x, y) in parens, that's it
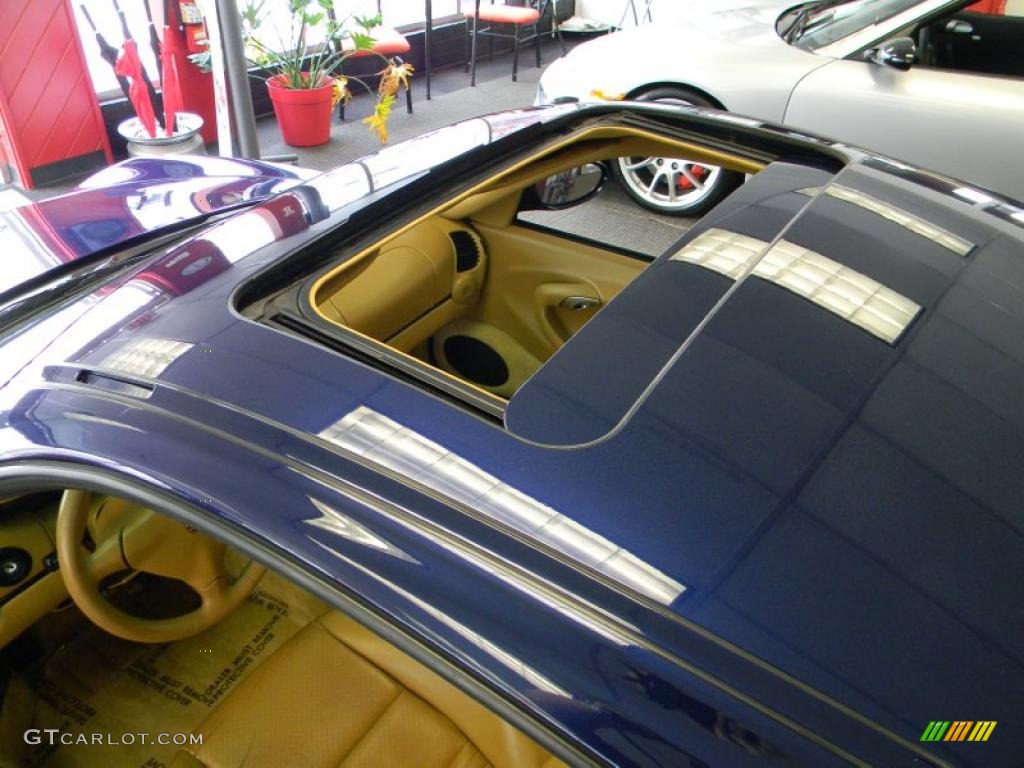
(131, 537)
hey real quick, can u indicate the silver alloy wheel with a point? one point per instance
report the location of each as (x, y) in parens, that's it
(669, 183)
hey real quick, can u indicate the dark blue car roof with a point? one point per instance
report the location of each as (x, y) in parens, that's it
(725, 521)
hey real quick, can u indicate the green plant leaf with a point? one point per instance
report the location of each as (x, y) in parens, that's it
(363, 41)
(368, 22)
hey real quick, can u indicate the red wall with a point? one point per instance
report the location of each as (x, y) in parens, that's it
(996, 7)
(47, 101)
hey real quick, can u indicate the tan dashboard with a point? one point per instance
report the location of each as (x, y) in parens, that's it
(30, 585)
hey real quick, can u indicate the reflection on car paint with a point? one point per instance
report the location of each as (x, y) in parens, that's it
(336, 522)
(89, 418)
(856, 298)
(569, 605)
(412, 157)
(145, 357)
(915, 224)
(714, 720)
(131, 199)
(387, 443)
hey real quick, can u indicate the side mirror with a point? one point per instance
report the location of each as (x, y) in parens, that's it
(571, 187)
(897, 53)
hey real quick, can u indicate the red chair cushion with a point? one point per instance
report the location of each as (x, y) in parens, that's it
(506, 14)
(387, 42)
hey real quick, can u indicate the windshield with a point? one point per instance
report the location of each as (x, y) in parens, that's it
(821, 24)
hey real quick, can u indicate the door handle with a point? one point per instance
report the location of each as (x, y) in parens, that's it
(959, 27)
(549, 298)
(579, 303)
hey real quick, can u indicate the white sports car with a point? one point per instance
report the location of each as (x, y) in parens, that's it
(932, 82)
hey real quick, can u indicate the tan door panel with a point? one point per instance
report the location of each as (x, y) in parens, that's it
(563, 308)
(539, 286)
(30, 532)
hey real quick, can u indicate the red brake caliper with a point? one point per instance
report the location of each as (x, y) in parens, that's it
(697, 171)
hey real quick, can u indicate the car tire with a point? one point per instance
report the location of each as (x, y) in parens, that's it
(674, 186)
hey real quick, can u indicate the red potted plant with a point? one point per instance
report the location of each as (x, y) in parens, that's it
(305, 79)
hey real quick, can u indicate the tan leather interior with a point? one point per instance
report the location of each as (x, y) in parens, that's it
(337, 695)
(281, 681)
(382, 292)
(528, 292)
(137, 538)
(409, 291)
(531, 272)
(34, 531)
(19, 613)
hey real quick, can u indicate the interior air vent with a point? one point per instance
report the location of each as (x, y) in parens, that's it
(467, 250)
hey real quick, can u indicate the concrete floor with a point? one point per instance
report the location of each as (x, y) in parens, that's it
(611, 217)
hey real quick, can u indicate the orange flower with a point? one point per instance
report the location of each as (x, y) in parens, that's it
(340, 91)
(393, 77)
(378, 121)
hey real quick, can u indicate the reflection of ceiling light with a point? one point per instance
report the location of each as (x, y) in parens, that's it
(404, 160)
(974, 195)
(377, 438)
(146, 357)
(34, 255)
(109, 177)
(728, 253)
(729, 117)
(845, 292)
(90, 418)
(343, 185)
(240, 236)
(915, 224)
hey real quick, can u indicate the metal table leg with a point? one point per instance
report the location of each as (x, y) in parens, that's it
(427, 30)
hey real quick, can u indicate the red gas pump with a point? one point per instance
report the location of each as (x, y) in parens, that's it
(185, 20)
(192, 23)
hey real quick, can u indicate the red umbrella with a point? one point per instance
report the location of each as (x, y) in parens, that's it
(173, 102)
(130, 66)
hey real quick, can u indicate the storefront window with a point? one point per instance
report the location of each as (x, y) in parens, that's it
(107, 23)
(405, 14)
(400, 13)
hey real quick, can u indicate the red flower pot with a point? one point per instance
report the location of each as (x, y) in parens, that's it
(303, 114)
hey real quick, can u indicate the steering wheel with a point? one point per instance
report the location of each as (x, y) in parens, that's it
(128, 536)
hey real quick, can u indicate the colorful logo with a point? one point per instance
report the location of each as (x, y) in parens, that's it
(958, 730)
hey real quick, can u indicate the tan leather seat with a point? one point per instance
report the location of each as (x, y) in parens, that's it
(337, 695)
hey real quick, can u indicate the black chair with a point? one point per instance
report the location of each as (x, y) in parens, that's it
(391, 44)
(529, 14)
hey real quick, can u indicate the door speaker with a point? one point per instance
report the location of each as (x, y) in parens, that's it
(483, 355)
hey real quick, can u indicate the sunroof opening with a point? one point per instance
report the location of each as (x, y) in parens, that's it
(479, 296)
